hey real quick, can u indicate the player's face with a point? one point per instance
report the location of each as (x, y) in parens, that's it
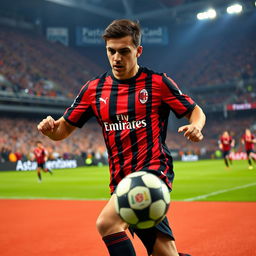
(39, 145)
(122, 56)
(247, 132)
(225, 134)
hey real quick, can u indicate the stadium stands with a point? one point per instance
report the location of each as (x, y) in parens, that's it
(29, 64)
(18, 136)
(218, 64)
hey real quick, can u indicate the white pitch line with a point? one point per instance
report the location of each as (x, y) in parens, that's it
(219, 192)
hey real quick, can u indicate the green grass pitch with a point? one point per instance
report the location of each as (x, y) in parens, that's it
(205, 180)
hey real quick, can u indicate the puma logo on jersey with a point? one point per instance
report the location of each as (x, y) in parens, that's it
(103, 100)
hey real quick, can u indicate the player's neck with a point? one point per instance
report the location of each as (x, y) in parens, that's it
(132, 73)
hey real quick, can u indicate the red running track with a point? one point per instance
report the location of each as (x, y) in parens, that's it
(67, 228)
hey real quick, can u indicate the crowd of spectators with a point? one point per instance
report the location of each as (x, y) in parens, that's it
(220, 58)
(18, 137)
(32, 65)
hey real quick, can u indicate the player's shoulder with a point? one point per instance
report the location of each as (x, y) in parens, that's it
(151, 72)
(94, 80)
(100, 77)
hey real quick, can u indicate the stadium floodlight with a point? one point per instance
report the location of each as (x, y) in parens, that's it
(234, 9)
(210, 14)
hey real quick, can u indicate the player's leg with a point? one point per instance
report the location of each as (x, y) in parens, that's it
(249, 156)
(250, 159)
(226, 162)
(164, 246)
(230, 159)
(38, 170)
(46, 169)
(224, 154)
(112, 229)
(159, 240)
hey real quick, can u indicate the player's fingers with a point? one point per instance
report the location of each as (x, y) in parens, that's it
(193, 134)
(183, 128)
(44, 126)
(189, 133)
(57, 122)
(197, 137)
(50, 121)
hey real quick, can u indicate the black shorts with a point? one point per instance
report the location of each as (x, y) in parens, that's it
(225, 153)
(248, 152)
(148, 236)
(42, 165)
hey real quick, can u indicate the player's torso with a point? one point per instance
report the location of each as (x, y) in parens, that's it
(122, 106)
(132, 119)
(248, 141)
(226, 142)
(39, 154)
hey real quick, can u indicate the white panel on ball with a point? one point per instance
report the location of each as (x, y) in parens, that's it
(128, 215)
(157, 209)
(145, 224)
(151, 180)
(123, 187)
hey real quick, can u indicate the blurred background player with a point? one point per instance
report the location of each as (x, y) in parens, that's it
(248, 139)
(41, 156)
(226, 142)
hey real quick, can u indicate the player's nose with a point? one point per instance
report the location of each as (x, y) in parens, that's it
(117, 57)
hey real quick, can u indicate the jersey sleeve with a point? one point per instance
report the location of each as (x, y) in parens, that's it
(80, 111)
(181, 104)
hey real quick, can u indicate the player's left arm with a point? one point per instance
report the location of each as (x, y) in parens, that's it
(193, 131)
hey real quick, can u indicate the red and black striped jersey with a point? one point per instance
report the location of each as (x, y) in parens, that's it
(248, 141)
(133, 114)
(226, 142)
(40, 154)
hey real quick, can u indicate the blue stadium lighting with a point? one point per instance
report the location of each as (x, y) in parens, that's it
(210, 14)
(234, 9)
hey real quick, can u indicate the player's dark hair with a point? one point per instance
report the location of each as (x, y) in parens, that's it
(38, 141)
(122, 28)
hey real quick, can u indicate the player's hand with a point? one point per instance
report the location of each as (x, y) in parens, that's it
(48, 125)
(191, 132)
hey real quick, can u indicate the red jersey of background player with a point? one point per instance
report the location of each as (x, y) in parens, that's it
(40, 155)
(248, 141)
(226, 142)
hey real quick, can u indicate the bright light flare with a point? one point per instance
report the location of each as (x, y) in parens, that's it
(236, 8)
(210, 14)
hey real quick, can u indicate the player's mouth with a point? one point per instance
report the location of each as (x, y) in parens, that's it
(118, 67)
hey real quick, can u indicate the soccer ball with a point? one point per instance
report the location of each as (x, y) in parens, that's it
(142, 199)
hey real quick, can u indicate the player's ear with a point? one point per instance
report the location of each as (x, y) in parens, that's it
(139, 51)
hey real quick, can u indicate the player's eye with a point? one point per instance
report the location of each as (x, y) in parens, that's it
(124, 51)
(111, 51)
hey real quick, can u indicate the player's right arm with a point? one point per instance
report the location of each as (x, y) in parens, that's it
(55, 129)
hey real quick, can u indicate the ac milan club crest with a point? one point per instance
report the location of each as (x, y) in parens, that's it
(143, 96)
